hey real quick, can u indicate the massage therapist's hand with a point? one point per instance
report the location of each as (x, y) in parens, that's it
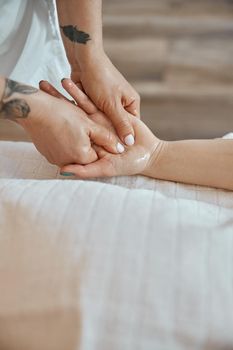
(81, 29)
(60, 131)
(135, 160)
(109, 91)
(199, 162)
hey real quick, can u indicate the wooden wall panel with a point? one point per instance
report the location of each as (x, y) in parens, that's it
(179, 56)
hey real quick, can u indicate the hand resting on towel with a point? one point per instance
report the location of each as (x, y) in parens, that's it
(199, 162)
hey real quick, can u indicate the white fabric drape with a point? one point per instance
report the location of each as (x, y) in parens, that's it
(93, 266)
(30, 43)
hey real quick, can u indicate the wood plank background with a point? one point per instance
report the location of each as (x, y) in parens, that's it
(179, 56)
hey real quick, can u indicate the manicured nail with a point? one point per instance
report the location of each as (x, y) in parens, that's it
(67, 174)
(129, 140)
(120, 148)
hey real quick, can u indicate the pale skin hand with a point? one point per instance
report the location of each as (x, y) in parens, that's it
(92, 70)
(199, 162)
(60, 131)
(134, 160)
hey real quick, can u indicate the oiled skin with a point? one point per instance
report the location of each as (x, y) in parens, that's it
(199, 162)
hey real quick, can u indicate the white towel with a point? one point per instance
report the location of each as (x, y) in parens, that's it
(87, 265)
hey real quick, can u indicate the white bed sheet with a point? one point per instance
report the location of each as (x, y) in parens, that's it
(131, 263)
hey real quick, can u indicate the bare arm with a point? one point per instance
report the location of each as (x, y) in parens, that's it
(81, 27)
(15, 101)
(60, 131)
(199, 162)
(91, 69)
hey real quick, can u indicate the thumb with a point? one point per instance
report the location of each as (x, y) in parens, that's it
(102, 136)
(121, 120)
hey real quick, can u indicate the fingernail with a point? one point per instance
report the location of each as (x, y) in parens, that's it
(69, 82)
(135, 112)
(129, 140)
(41, 81)
(67, 174)
(120, 148)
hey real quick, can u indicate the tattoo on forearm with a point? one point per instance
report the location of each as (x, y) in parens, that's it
(15, 108)
(75, 35)
(13, 86)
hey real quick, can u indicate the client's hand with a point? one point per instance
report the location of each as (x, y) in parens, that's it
(135, 160)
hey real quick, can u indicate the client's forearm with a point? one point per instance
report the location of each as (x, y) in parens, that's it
(81, 26)
(200, 162)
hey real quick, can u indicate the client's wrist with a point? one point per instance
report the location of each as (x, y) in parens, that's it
(157, 152)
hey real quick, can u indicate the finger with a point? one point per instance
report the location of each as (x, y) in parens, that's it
(121, 121)
(79, 85)
(50, 89)
(75, 77)
(102, 136)
(100, 168)
(89, 156)
(100, 151)
(102, 119)
(134, 108)
(79, 96)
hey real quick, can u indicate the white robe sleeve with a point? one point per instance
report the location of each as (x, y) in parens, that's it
(31, 48)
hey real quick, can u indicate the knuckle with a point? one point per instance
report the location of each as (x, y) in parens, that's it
(123, 124)
(84, 150)
(109, 104)
(80, 154)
